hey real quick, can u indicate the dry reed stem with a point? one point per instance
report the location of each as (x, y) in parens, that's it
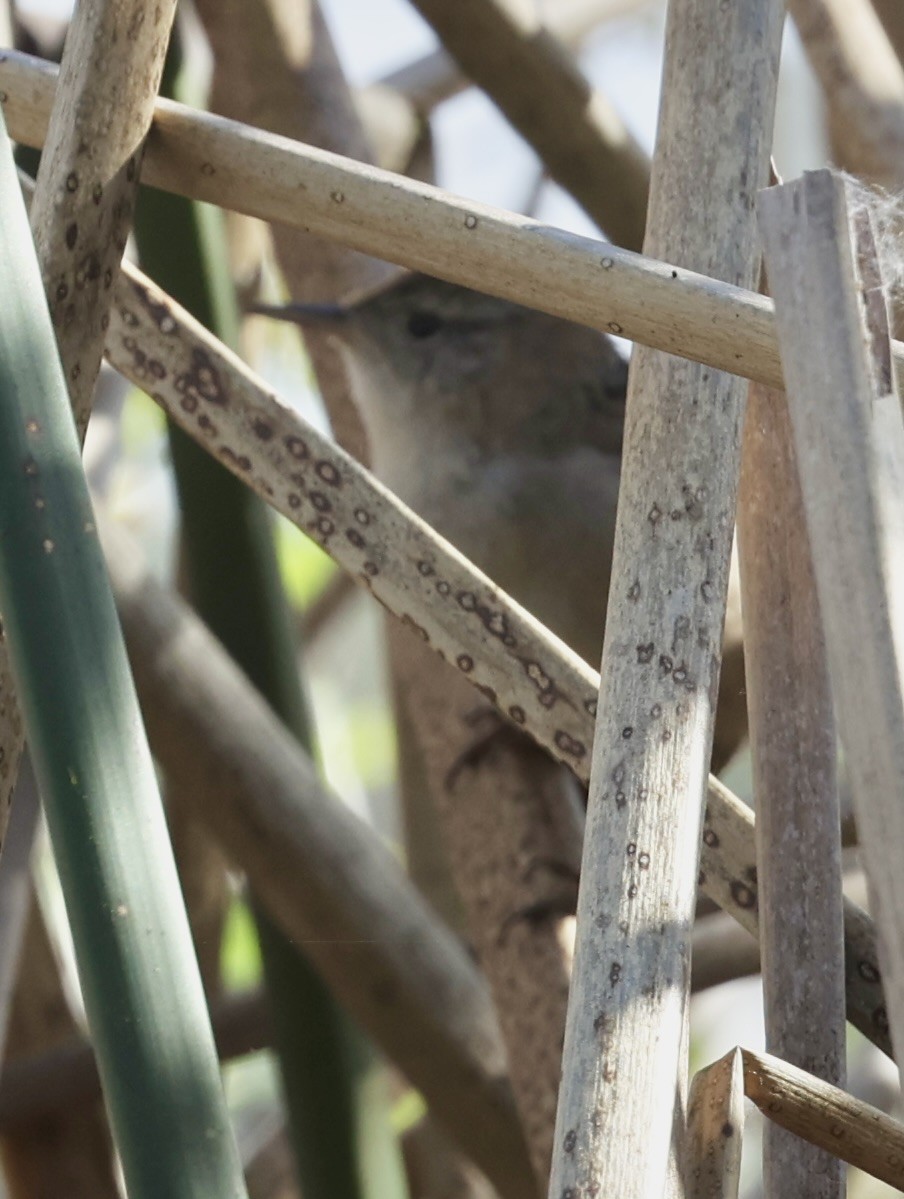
(81, 1161)
(42, 1082)
(792, 731)
(849, 443)
(275, 68)
(505, 48)
(86, 186)
(427, 229)
(715, 1129)
(415, 225)
(892, 17)
(15, 886)
(435, 1170)
(424, 228)
(66, 1076)
(620, 1120)
(434, 78)
(823, 1115)
(862, 80)
(722, 951)
(535, 679)
(203, 877)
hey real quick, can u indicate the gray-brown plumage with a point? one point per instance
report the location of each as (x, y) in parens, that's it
(502, 427)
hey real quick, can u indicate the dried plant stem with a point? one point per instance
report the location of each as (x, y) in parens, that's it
(619, 1124)
(715, 1129)
(792, 731)
(430, 80)
(42, 1020)
(275, 68)
(15, 885)
(892, 16)
(425, 228)
(535, 679)
(849, 443)
(65, 1076)
(44, 1081)
(85, 191)
(722, 951)
(202, 868)
(504, 47)
(825, 1116)
(435, 1170)
(863, 83)
(639, 297)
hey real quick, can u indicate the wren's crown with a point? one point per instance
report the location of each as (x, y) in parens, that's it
(423, 346)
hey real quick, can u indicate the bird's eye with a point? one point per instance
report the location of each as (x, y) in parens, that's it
(424, 324)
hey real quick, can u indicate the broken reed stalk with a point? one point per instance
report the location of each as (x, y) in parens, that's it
(849, 442)
(715, 1129)
(798, 819)
(621, 1103)
(505, 48)
(96, 777)
(533, 678)
(822, 1115)
(809, 1110)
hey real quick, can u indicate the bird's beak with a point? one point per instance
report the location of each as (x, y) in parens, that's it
(305, 315)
